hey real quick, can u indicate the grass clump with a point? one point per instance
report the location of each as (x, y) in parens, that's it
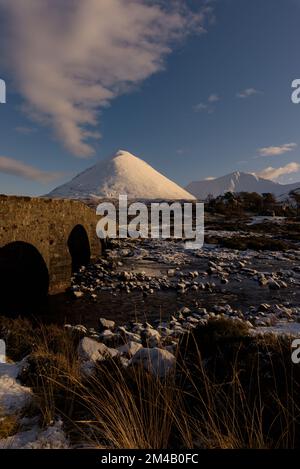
(242, 391)
(9, 425)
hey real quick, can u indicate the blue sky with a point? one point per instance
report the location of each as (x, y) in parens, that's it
(222, 101)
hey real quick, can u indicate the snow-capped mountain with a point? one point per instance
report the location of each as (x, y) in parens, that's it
(239, 182)
(121, 174)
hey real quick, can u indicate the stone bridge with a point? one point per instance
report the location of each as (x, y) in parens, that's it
(41, 242)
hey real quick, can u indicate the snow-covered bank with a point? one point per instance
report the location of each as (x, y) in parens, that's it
(15, 399)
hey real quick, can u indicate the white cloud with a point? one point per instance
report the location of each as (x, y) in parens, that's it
(276, 173)
(17, 168)
(213, 98)
(70, 58)
(208, 105)
(277, 150)
(201, 107)
(209, 178)
(247, 93)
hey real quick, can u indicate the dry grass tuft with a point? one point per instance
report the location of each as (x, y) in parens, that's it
(9, 425)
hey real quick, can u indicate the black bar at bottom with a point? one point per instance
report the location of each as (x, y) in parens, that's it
(254, 459)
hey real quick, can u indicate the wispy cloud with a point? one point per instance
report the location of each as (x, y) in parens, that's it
(208, 105)
(17, 168)
(71, 58)
(209, 178)
(277, 150)
(201, 107)
(275, 173)
(25, 130)
(247, 93)
(213, 98)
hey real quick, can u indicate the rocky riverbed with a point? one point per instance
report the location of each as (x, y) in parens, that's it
(151, 279)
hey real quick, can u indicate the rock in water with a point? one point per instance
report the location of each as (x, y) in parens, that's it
(106, 324)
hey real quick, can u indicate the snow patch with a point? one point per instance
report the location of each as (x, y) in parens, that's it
(53, 437)
(13, 396)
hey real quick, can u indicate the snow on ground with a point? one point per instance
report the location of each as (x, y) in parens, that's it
(231, 234)
(13, 396)
(281, 328)
(261, 219)
(53, 437)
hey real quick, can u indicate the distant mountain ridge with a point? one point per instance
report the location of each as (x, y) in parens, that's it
(121, 174)
(239, 182)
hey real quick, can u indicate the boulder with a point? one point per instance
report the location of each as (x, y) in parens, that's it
(78, 294)
(150, 337)
(129, 349)
(273, 285)
(157, 361)
(171, 273)
(90, 351)
(106, 324)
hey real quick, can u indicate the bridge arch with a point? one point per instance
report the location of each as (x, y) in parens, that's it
(79, 247)
(50, 225)
(24, 276)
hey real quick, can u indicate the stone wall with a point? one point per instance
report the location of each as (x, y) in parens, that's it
(46, 224)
